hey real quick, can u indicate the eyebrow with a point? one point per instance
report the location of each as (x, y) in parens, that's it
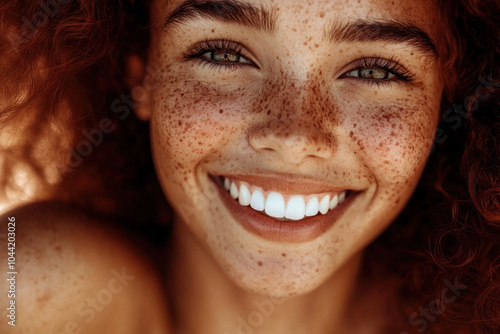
(260, 18)
(229, 11)
(382, 31)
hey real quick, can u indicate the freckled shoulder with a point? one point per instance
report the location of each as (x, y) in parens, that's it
(75, 275)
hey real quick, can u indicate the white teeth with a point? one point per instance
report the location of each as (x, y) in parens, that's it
(296, 208)
(334, 202)
(234, 191)
(324, 205)
(258, 202)
(312, 207)
(244, 196)
(342, 197)
(275, 205)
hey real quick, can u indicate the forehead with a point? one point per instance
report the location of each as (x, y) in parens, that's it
(317, 14)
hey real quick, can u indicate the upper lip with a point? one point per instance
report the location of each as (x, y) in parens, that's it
(287, 183)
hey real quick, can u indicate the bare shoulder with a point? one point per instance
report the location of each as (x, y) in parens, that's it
(75, 274)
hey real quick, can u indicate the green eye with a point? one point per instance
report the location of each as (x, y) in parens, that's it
(371, 74)
(225, 57)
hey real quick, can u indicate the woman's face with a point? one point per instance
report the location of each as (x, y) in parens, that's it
(298, 104)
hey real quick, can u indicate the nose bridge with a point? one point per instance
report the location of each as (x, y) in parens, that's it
(295, 126)
(305, 96)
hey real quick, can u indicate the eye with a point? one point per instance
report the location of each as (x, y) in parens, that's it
(224, 54)
(379, 71)
(226, 57)
(371, 73)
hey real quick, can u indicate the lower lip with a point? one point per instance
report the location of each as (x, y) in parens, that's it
(266, 227)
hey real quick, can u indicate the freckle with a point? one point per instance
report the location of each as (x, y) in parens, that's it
(284, 255)
(260, 263)
(351, 134)
(322, 14)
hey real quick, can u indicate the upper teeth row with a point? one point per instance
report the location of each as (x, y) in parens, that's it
(295, 208)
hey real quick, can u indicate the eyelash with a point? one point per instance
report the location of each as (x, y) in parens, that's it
(220, 45)
(390, 65)
(223, 45)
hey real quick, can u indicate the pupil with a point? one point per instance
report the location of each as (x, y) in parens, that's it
(373, 73)
(225, 57)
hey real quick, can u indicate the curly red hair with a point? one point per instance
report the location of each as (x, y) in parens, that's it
(449, 233)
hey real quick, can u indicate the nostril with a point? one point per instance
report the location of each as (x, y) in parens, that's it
(291, 145)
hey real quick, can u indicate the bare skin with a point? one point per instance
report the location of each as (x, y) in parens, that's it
(76, 276)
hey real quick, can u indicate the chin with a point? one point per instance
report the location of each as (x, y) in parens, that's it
(286, 283)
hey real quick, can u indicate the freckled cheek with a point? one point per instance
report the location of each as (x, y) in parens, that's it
(394, 141)
(194, 121)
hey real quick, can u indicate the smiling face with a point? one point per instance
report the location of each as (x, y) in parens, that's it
(290, 107)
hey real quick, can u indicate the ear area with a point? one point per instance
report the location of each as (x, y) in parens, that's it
(141, 84)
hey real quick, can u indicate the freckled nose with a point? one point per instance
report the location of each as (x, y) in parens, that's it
(291, 142)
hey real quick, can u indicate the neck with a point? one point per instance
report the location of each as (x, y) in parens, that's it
(204, 300)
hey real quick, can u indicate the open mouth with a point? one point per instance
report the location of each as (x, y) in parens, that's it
(282, 215)
(281, 206)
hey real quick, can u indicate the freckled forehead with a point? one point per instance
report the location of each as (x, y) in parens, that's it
(319, 12)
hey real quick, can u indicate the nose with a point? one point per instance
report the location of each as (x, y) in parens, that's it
(291, 140)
